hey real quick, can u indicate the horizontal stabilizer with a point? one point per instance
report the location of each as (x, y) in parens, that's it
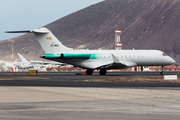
(29, 31)
(25, 31)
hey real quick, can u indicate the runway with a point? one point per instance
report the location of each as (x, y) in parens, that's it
(57, 96)
(66, 79)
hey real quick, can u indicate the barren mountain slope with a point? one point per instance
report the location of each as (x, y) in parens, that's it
(145, 24)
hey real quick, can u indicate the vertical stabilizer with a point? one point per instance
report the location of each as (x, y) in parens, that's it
(49, 42)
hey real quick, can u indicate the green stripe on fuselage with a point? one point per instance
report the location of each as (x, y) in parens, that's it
(93, 56)
(76, 56)
(66, 56)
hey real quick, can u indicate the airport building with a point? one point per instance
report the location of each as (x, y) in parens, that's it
(19, 66)
(138, 68)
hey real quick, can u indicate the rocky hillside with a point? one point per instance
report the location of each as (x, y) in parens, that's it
(145, 24)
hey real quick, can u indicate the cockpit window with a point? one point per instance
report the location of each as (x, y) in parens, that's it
(163, 54)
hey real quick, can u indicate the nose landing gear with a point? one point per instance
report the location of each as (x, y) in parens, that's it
(162, 73)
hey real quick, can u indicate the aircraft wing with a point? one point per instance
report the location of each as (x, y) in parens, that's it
(115, 63)
(122, 64)
(125, 63)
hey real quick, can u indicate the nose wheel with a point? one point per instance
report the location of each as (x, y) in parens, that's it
(102, 72)
(162, 73)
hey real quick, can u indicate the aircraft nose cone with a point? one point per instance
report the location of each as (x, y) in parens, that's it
(172, 61)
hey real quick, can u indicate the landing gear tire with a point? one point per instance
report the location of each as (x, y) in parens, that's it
(162, 73)
(102, 72)
(89, 71)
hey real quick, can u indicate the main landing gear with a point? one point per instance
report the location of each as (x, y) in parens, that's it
(89, 71)
(101, 72)
(162, 73)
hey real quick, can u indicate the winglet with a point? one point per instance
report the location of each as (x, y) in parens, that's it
(115, 60)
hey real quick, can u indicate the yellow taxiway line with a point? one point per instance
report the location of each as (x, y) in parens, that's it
(23, 78)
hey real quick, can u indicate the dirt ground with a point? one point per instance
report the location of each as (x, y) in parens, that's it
(151, 79)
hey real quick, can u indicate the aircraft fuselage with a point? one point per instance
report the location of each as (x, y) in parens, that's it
(95, 59)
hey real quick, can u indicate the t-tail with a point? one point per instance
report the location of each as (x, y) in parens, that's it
(49, 43)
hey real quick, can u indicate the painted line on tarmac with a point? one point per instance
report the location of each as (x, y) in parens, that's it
(33, 78)
(170, 109)
(6, 79)
(24, 78)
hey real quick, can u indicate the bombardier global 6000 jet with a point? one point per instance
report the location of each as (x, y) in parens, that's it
(101, 60)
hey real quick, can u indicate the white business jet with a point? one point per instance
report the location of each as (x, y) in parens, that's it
(101, 60)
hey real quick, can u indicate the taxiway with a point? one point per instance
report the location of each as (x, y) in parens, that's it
(67, 79)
